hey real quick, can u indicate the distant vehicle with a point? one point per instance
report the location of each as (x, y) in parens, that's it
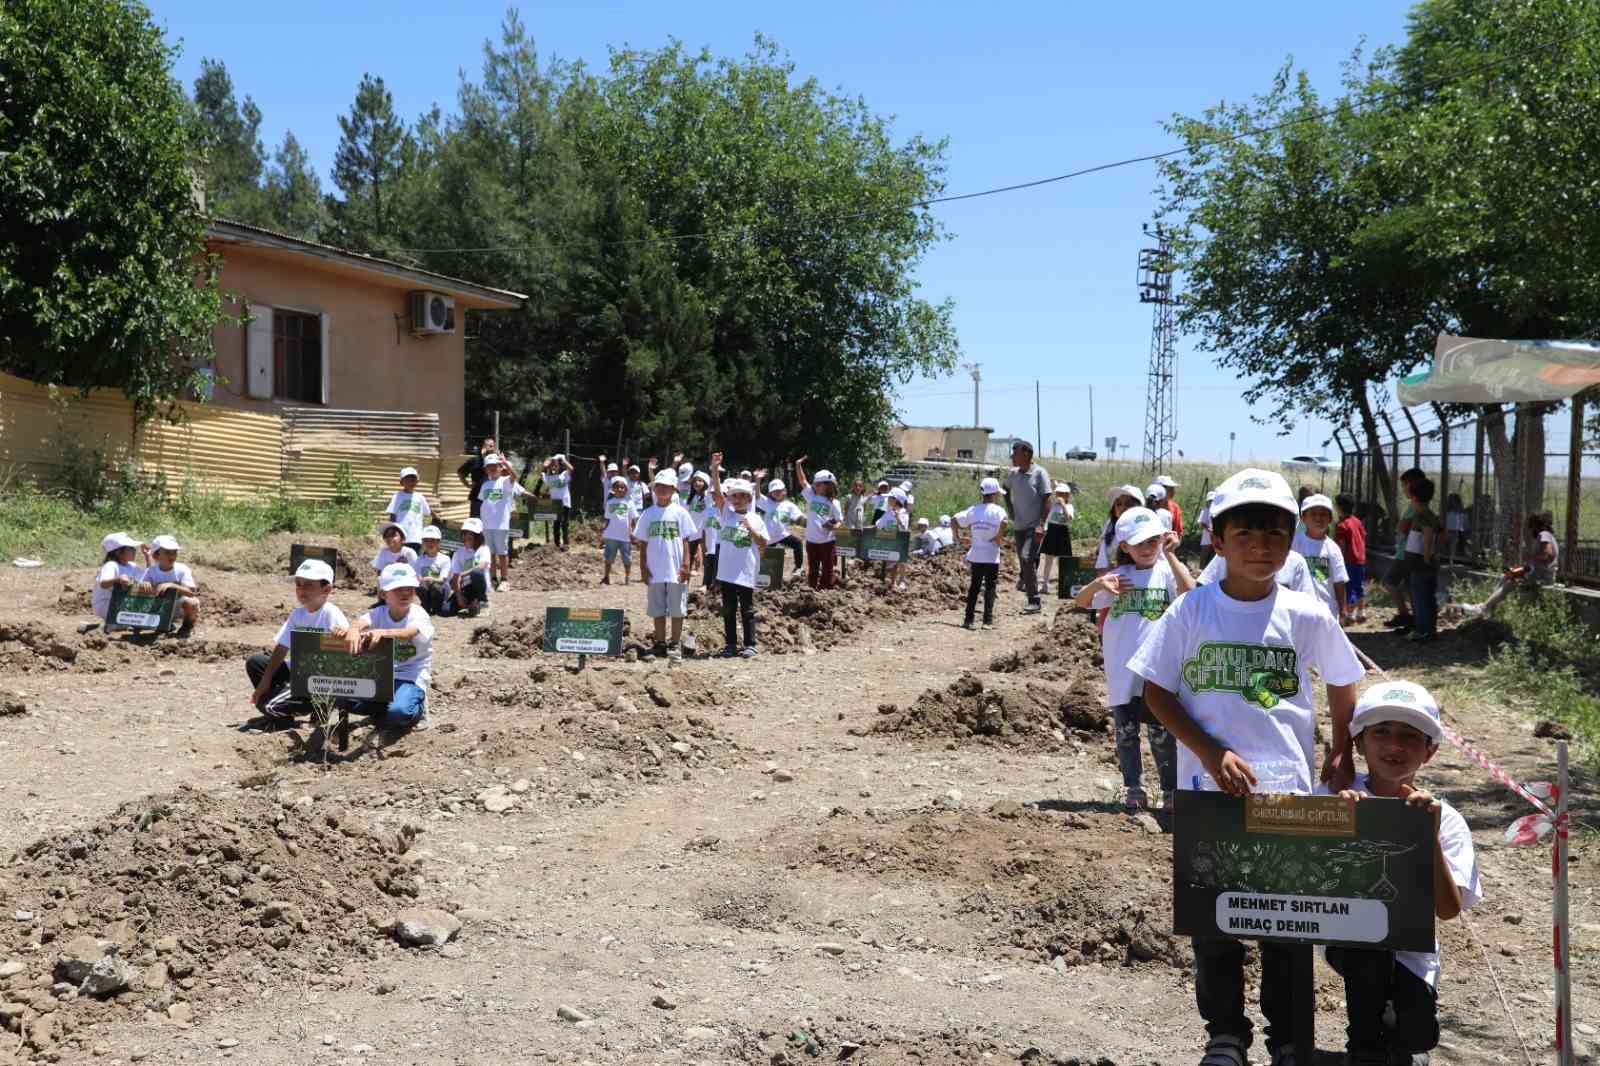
(1319, 463)
(1083, 454)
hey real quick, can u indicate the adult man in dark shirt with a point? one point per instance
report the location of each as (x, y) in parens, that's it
(471, 473)
(1028, 489)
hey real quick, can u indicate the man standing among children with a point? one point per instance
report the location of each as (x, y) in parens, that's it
(1028, 490)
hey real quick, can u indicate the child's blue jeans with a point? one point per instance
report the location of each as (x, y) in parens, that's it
(1163, 748)
(1424, 596)
(409, 706)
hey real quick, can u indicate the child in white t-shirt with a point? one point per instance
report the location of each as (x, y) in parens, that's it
(925, 543)
(1397, 730)
(433, 571)
(662, 532)
(394, 550)
(1057, 531)
(556, 476)
(402, 620)
(118, 568)
(469, 573)
(616, 532)
(878, 502)
(1203, 520)
(1324, 560)
(696, 495)
(1227, 672)
(781, 515)
(409, 508)
(743, 537)
(499, 496)
(165, 575)
(823, 516)
(896, 520)
(1147, 579)
(986, 526)
(314, 613)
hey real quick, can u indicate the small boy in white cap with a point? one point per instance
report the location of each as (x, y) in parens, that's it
(1147, 579)
(313, 613)
(1203, 520)
(878, 502)
(1227, 670)
(781, 515)
(662, 532)
(986, 525)
(394, 549)
(400, 619)
(117, 568)
(823, 516)
(556, 476)
(1155, 499)
(925, 544)
(499, 495)
(1323, 558)
(469, 573)
(433, 571)
(165, 574)
(409, 508)
(897, 519)
(743, 537)
(946, 535)
(1057, 532)
(616, 532)
(1397, 730)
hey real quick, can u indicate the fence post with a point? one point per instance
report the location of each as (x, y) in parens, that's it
(1444, 454)
(1416, 439)
(1569, 552)
(1392, 502)
(1478, 532)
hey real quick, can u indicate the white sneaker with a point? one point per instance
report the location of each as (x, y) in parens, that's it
(502, 587)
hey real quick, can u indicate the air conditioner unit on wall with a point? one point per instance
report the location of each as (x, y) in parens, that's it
(432, 312)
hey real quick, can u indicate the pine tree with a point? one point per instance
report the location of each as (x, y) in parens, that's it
(368, 168)
(294, 192)
(234, 159)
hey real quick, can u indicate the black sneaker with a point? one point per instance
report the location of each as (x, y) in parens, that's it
(730, 652)
(1401, 621)
(1034, 607)
(969, 624)
(659, 650)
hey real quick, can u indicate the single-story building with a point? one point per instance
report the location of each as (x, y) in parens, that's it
(335, 329)
(942, 442)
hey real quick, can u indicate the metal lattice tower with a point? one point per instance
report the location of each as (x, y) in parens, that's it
(1160, 404)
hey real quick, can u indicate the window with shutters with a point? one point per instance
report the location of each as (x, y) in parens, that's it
(296, 357)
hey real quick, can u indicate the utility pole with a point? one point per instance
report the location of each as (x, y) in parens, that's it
(1231, 435)
(1155, 287)
(1038, 421)
(977, 376)
(1091, 416)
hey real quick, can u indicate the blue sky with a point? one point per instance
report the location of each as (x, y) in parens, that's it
(1043, 280)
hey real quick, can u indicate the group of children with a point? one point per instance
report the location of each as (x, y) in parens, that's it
(158, 573)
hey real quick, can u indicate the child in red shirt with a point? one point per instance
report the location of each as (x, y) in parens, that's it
(1351, 536)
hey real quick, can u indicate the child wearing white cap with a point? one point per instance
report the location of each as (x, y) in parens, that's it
(165, 575)
(1324, 560)
(1171, 487)
(823, 516)
(661, 532)
(400, 619)
(697, 501)
(499, 495)
(781, 515)
(924, 543)
(1397, 730)
(1203, 520)
(986, 523)
(877, 503)
(743, 537)
(1147, 579)
(432, 567)
(1155, 500)
(946, 535)
(394, 549)
(1057, 532)
(409, 508)
(1122, 498)
(1227, 670)
(897, 519)
(313, 613)
(616, 532)
(469, 573)
(117, 568)
(556, 476)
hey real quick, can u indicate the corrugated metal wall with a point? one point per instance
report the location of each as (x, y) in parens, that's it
(233, 453)
(376, 444)
(38, 422)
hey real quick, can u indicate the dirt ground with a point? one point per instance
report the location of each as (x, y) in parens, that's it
(885, 840)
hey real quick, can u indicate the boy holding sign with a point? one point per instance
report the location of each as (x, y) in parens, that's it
(1227, 671)
(313, 582)
(401, 620)
(1396, 729)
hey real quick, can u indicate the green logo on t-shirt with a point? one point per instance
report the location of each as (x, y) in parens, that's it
(820, 508)
(404, 652)
(1318, 565)
(1149, 602)
(738, 536)
(495, 495)
(663, 529)
(618, 509)
(1259, 673)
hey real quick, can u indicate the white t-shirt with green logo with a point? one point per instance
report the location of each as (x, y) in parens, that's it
(1242, 669)
(665, 531)
(385, 557)
(710, 525)
(621, 514)
(779, 515)
(1294, 574)
(1325, 562)
(982, 521)
(700, 508)
(413, 659)
(324, 619)
(560, 485)
(499, 500)
(410, 509)
(1134, 612)
(820, 509)
(738, 558)
(432, 565)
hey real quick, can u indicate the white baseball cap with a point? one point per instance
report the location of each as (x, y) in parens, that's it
(611, 468)
(431, 533)
(775, 485)
(383, 530)
(900, 495)
(473, 525)
(1062, 486)
(922, 521)
(619, 480)
(316, 570)
(906, 484)
(1316, 499)
(1155, 491)
(989, 487)
(883, 483)
(685, 471)
(1398, 701)
(667, 478)
(408, 471)
(701, 475)
(397, 576)
(1131, 491)
(1253, 485)
(116, 542)
(739, 485)
(633, 466)
(944, 520)
(1137, 525)
(166, 543)
(492, 460)
(1166, 482)
(825, 477)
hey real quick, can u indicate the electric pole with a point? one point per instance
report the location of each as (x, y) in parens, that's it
(1038, 421)
(972, 368)
(1155, 288)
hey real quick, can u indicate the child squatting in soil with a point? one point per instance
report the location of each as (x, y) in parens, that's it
(1148, 578)
(469, 573)
(394, 550)
(433, 572)
(118, 568)
(400, 619)
(743, 537)
(166, 576)
(987, 522)
(313, 613)
(1397, 730)
(1227, 672)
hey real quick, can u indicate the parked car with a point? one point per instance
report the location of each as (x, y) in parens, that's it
(1079, 453)
(1319, 463)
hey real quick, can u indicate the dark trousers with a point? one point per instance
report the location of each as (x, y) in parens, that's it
(1424, 596)
(432, 596)
(793, 542)
(986, 575)
(738, 602)
(474, 588)
(711, 570)
(1028, 557)
(278, 696)
(1372, 981)
(820, 560)
(559, 531)
(1219, 989)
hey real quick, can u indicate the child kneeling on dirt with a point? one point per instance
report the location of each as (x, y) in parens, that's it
(118, 568)
(314, 613)
(1147, 579)
(661, 533)
(403, 621)
(987, 521)
(1227, 672)
(433, 572)
(469, 573)
(166, 575)
(1396, 729)
(742, 537)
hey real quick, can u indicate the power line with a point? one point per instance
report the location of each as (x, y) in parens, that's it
(1151, 157)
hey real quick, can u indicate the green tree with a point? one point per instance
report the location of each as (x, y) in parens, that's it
(104, 280)
(294, 192)
(234, 159)
(368, 167)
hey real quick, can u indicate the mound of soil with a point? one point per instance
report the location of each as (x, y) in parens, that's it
(517, 638)
(544, 568)
(1100, 892)
(193, 895)
(797, 620)
(1071, 651)
(28, 646)
(1043, 715)
(942, 580)
(838, 1037)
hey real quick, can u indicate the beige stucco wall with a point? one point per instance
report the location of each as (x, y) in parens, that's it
(975, 440)
(371, 366)
(918, 442)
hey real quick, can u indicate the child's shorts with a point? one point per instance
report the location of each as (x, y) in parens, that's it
(499, 541)
(614, 548)
(1355, 590)
(666, 599)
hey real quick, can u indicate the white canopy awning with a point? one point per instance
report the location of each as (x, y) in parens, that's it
(1471, 370)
